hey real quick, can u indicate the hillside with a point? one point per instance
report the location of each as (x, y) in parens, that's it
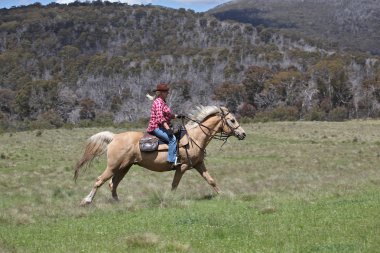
(349, 24)
(94, 62)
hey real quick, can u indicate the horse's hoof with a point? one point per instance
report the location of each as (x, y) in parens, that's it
(85, 202)
(217, 190)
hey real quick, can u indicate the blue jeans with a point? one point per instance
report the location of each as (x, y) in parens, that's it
(163, 135)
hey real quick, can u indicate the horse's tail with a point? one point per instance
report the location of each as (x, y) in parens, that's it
(96, 146)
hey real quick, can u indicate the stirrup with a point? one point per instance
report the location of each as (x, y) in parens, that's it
(176, 162)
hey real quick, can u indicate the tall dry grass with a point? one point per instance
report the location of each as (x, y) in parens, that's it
(290, 159)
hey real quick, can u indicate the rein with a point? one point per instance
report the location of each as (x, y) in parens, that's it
(223, 135)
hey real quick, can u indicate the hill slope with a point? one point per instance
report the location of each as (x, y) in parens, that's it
(352, 24)
(95, 62)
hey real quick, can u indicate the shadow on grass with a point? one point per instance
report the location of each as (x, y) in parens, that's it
(207, 197)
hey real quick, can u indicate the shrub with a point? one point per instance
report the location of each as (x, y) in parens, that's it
(3, 122)
(316, 114)
(283, 113)
(246, 120)
(87, 109)
(103, 119)
(338, 114)
(246, 110)
(263, 116)
(47, 120)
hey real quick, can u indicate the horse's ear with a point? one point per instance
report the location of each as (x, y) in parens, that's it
(224, 110)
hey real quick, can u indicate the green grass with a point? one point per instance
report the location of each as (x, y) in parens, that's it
(289, 187)
(339, 224)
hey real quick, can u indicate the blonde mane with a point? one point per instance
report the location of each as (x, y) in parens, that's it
(200, 113)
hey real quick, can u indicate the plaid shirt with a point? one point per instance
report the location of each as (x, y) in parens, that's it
(159, 113)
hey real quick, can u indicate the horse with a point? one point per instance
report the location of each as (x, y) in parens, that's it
(204, 124)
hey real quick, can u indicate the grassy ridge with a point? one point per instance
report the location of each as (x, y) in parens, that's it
(289, 187)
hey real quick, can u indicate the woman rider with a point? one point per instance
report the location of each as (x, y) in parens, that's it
(159, 123)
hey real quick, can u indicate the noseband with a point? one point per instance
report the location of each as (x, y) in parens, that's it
(223, 136)
(211, 132)
(225, 122)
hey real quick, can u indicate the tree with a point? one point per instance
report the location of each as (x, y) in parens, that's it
(184, 87)
(289, 85)
(255, 79)
(87, 109)
(232, 95)
(67, 102)
(246, 110)
(332, 81)
(367, 98)
(7, 100)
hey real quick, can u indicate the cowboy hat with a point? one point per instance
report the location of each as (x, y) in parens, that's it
(162, 87)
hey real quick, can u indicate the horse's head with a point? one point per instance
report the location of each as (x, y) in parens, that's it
(230, 126)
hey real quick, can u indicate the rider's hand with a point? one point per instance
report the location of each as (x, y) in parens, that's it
(170, 132)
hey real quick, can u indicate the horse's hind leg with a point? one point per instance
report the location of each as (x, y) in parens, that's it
(106, 175)
(201, 168)
(119, 175)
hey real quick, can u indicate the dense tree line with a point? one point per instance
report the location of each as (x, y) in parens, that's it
(86, 63)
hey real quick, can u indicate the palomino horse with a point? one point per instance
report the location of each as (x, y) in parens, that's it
(123, 150)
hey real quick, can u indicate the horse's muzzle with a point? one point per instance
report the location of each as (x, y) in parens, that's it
(240, 136)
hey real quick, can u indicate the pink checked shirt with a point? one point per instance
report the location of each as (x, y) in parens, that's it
(159, 113)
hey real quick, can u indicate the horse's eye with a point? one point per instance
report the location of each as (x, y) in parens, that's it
(233, 121)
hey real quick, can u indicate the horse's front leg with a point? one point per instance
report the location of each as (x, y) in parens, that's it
(178, 175)
(201, 168)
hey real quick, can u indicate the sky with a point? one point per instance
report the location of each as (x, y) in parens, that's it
(196, 5)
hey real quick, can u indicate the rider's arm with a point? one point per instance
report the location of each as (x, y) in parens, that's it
(166, 126)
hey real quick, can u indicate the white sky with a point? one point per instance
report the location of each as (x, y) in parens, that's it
(196, 5)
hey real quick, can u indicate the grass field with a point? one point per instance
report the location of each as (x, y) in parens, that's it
(289, 187)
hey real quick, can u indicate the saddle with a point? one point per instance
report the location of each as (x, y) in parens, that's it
(149, 142)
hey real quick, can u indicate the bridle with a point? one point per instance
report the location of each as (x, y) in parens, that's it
(211, 132)
(223, 136)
